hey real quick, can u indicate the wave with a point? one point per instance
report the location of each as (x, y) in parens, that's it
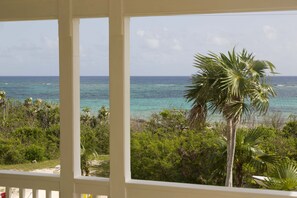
(284, 85)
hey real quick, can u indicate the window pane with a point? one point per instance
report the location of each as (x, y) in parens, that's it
(186, 97)
(94, 97)
(29, 96)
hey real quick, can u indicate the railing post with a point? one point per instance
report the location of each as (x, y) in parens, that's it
(8, 191)
(22, 192)
(69, 98)
(35, 193)
(48, 194)
(119, 99)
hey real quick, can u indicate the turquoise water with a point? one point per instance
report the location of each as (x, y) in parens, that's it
(148, 94)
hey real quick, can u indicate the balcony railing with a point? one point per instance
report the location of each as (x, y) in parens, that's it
(38, 185)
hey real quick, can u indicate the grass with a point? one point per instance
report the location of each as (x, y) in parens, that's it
(31, 166)
(102, 157)
(102, 169)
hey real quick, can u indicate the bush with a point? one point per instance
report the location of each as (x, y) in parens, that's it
(168, 121)
(290, 129)
(95, 139)
(190, 157)
(10, 152)
(34, 152)
(167, 150)
(52, 141)
(13, 156)
(28, 135)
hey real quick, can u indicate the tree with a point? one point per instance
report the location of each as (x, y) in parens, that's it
(3, 102)
(232, 85)
(249, 157)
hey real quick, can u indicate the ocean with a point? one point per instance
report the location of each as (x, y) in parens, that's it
(148, 94)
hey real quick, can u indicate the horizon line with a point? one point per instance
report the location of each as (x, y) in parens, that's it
(130, 76)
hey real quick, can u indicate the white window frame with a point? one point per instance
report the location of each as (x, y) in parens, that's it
(119, 185)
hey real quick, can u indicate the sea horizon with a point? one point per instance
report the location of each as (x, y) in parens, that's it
(149, 94)
(130, 76)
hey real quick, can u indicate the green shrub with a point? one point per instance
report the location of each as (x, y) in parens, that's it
(190, 157)
(290, 129)
(14, 156)
(28, 135)
(34, 152)
(10, 152)
(52, 141)
(167, 122)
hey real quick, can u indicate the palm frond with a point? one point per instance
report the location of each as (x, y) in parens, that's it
(197, 115)
(227, 83)
(283, 176)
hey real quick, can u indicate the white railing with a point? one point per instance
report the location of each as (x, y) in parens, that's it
(25, 185)
(39, 185)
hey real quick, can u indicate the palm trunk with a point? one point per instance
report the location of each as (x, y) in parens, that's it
(231, 142)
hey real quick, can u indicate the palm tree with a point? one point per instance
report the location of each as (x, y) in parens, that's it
(249, 154)
(249, 159)
(283, 176)
(232, 85)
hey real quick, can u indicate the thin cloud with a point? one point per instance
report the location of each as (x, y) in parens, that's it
(219, 40)
(176, 45)
(140, 33)
(50, 43)
(270, 32)
(153, 43)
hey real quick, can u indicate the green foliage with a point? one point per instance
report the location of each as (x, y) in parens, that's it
(103, 114)
(9, 152)
(167, 150)
(277, 143)
(282, 176)
(13, 156)
(233, 85)
(53, 141)
(162, 151)
(290, 129)
(34, 152)
(31, 127)
(168, 121)
(95, 139)
(250, 159)
(154, 158)
(28, 136)
(47, 115)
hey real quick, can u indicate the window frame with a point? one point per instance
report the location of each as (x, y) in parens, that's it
(68, 12)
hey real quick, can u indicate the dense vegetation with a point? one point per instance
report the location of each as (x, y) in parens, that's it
(164, 147)
(168, 149)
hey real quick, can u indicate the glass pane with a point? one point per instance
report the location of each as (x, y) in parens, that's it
(188, 95)
(29, 96)
(94, 97)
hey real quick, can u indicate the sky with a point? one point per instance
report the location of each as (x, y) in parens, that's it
(160, 46)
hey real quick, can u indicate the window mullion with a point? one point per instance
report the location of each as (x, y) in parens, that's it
(69, 98)
(119, 99)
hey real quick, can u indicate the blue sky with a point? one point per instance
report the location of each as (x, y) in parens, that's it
(159, 45)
